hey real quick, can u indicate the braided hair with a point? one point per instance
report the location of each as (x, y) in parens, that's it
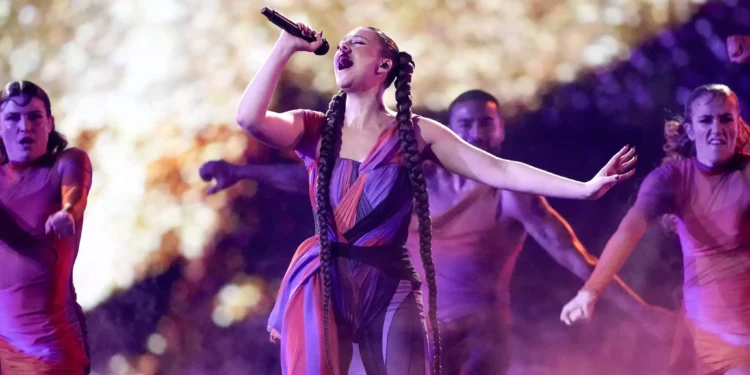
(400, 73)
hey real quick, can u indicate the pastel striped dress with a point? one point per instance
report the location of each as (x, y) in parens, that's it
(376, 299)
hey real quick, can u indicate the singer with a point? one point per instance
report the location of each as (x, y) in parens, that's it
(354, 280)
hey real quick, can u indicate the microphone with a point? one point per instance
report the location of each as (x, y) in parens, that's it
(285, 24)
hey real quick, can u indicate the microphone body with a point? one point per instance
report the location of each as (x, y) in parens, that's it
(287, 25)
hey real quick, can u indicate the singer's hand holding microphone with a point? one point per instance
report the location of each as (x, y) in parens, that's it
(297, 36)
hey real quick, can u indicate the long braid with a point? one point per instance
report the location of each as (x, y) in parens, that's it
(413, 161)
(326, 159)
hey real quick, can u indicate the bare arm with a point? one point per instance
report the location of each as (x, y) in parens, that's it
(616, 252)
(461, 158)
(618, 249)
(657, 196)
(278, 130)
(556, 236)
(76, 172)
(74, 169)
(287, 177)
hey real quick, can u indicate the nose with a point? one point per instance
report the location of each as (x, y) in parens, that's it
(474, 130)
(345, 48)
(26, 123)
(716, 126)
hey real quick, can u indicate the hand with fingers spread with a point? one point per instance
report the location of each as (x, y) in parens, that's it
(738, 48)
(222, 172)
(618, 169)
(581, 307)
(298, 44)
(61, 223)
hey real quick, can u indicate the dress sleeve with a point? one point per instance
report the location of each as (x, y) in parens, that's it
(658, 192)
(307, 148)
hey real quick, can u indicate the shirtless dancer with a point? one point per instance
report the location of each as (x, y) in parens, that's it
(478, 232)
(43, 190)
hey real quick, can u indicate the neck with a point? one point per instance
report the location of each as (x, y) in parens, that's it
(709, 165)
(363, 107)
(22, 164)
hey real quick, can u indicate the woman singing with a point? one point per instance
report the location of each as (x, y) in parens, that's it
(354, 281)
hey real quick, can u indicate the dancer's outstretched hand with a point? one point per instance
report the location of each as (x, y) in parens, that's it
(223, 172)
(618, 169)
(580, 307)
(738, 48)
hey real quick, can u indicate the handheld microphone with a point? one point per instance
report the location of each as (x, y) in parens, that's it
(285, 24)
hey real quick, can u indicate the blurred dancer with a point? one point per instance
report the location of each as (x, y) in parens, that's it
(478, 232)
(43, 191)
(704, 185)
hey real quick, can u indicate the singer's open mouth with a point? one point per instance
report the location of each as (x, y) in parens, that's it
(344, 62)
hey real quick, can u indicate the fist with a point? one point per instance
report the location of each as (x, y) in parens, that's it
(274, 337)
(738, 48)
(221, 171)
(581, 307)
(61, 223)
(299, 44)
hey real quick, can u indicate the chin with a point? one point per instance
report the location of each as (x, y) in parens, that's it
(26, 155)
(344, 85)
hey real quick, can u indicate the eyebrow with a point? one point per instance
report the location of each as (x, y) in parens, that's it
(34, 111)
(719, 115)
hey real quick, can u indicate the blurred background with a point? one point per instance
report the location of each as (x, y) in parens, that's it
(177, 282)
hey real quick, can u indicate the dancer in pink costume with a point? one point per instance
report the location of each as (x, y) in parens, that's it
(43, 190)
(704, 185)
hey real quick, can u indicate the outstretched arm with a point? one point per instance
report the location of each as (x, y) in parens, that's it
(656, 197)
(555, 235)
(278, 130)
(461, 158)
(287, 177)
(615, 253)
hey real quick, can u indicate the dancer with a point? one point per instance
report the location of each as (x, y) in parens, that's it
(363, 186)
(478, 232)
(43, 191)
(703, 185)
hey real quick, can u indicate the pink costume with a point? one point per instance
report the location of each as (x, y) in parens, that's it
(712, 207)
(474, 254)
(41, 325)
